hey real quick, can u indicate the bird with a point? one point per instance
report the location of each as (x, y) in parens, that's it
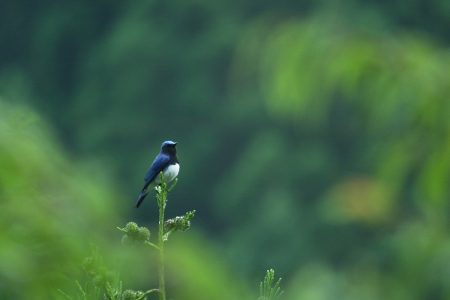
(167, 163)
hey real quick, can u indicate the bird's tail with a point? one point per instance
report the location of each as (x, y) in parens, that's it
(141, 197)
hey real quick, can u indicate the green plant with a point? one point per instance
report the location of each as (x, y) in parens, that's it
(101, 283)
(136, 234)
(268, 288)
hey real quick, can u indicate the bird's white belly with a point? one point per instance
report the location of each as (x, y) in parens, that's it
(170, 173)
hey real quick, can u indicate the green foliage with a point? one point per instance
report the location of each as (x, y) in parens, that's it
(269, 289)
(98, 274)
(47, 207)
(102, 283)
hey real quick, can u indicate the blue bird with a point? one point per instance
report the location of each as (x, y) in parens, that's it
(167, 162)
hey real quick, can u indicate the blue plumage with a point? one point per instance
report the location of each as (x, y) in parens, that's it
(160, 163)
(167, 162)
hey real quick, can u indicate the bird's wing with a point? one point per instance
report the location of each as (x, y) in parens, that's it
(161, 161)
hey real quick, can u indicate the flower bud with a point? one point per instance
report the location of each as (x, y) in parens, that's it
(134, 233)
(144, 234)
(180, 223)
(131, 228)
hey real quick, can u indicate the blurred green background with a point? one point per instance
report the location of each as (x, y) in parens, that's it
(314, 138)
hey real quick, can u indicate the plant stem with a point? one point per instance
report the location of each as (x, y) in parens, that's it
(162, 206)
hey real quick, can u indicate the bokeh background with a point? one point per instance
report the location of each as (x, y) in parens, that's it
(314, 138)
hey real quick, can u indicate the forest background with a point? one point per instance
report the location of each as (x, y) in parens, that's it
(314, 138)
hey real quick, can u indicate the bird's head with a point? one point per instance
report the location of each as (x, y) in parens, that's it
(169, 147)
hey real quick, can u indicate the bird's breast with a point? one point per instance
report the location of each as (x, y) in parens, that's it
(171, 172)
